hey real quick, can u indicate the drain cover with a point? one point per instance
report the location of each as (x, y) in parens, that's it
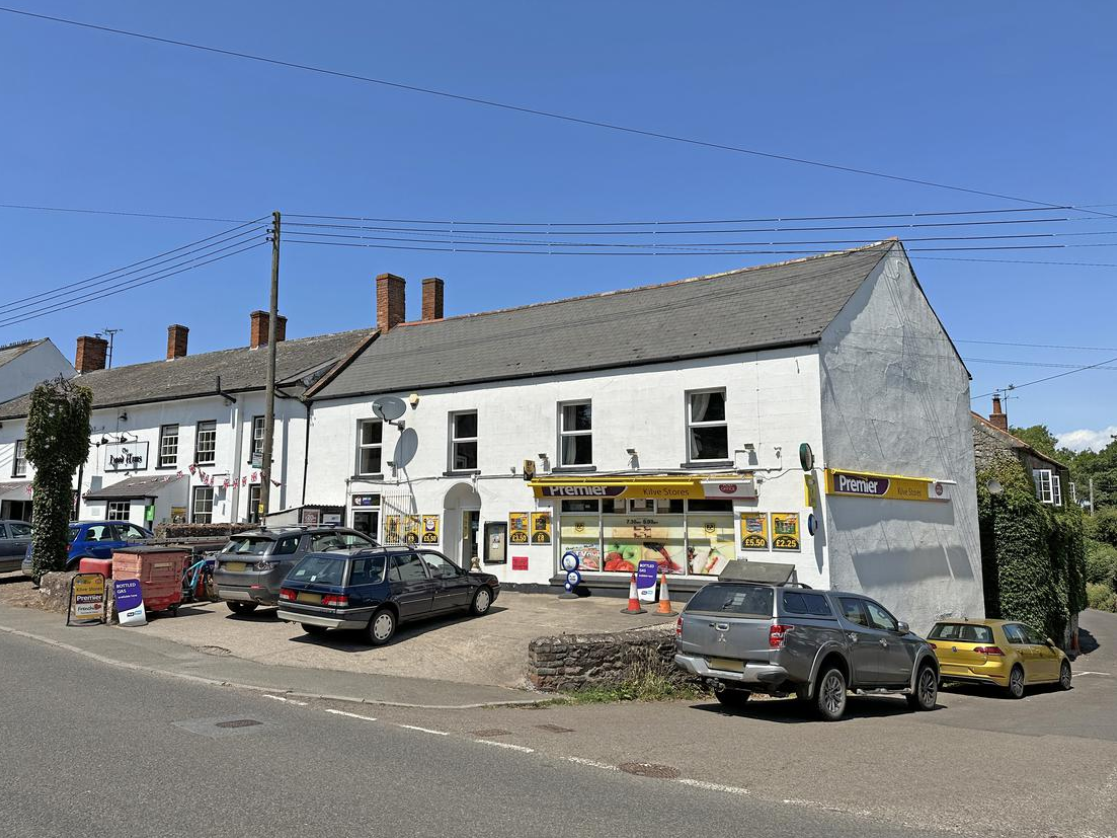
(225, 726)
(649, 769)
(238, 723)
(555, 728)
(491, 731)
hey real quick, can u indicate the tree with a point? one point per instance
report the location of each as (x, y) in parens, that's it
(1040, 438)
(57, 443)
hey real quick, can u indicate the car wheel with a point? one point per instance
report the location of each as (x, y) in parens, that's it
(926, 689)
(242, 608)
(1016, 683)
(830, 697)
(482, 601)
(316, 631)
(733, 699)
(381, 627)
(1064, 676)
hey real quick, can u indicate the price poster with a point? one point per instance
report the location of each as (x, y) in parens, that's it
(540, 527)
(518, 528)
(430, 529)
(754, 530)
(785, 531)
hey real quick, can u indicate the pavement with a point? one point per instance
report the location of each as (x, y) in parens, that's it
(100, 750)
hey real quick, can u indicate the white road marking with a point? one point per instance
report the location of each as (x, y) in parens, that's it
(507, 745)
(424, 730)
(702, 784)
(1079, 674)
(287, 700)
(592, 764)
(351, 715)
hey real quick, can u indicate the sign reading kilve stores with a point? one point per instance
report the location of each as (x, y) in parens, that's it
(860, 484)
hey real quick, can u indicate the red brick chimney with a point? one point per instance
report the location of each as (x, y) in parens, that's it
(391, 302)
(91, 354)
(176, 341)
(432, 298)
(258, 334)
(998, 417)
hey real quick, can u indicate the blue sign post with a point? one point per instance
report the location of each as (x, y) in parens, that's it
(129, 602)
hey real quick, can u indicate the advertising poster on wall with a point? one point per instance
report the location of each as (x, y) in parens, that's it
(754, 531)
(785, 531)
(580, 536)
(518, 528)
(430, 529)
(630, 539)
(392, 533)
(709, 542)
(411, 525)
(540, 527)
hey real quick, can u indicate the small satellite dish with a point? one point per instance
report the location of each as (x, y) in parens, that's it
(389, 408)
(406, 447)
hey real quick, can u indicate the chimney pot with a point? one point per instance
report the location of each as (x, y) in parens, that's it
(391, 302)
(91, 354)
(998, 418)
(176, 341)
(432, 298)
(258, 333)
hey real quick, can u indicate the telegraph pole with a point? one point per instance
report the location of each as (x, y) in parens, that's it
(269, 396)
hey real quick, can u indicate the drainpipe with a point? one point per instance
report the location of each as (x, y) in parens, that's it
(306, 454)
(238, 436)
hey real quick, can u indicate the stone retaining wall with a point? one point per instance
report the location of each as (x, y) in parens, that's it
(576, 661)
(55, 591)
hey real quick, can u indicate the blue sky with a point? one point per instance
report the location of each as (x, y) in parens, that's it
(1006, 98)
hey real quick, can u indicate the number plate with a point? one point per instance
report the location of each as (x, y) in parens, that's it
(314, 599)
(235, 567)
(726, 665)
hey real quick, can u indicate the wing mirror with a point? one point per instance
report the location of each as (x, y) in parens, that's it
(1050, 642)
(902, 627)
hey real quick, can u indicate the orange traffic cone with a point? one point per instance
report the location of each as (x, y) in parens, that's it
(664, 598)
(633, 599)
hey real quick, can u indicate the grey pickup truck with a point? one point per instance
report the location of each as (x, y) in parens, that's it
(745, 637)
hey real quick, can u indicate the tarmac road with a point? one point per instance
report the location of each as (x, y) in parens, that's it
(89, 749)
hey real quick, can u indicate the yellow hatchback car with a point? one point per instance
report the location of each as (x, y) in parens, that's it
(1007, 654)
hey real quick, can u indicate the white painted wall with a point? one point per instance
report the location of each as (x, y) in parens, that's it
(896, 400)
(37, 364)
(772, 402)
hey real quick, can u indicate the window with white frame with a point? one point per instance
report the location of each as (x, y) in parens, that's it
(205, 443)
(707, 428)
(202, 509)
(1045, 492)
(576, 433)
(254, 503)
(258, 434)
(1056, 490)
(118, 510)
(168, 446)
(370, 446)
(19, 459)
(463, 441)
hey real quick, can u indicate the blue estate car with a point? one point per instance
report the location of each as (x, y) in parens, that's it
(374, 589)
(96, 540)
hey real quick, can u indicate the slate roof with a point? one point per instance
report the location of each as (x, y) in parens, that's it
(13, 350)
(196, 375)
(137, 486)
(1008, 440)
(786, 304)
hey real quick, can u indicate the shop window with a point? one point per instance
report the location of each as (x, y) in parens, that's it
(710, 536)
(19, 459)
(576, 434)
(707, 429)
(118, 510)
(258, 435)
(370, 446)
(463, 441)
(254, 504)
(640, 536)
(202, 508)
(205, 443)
(168, 446)
(580, 532)
(580, 506)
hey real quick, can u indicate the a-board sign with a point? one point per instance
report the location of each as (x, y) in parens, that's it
(87, 599)
(130, 609)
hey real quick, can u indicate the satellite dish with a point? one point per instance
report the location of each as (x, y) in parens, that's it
(389, 408)
(406, 447)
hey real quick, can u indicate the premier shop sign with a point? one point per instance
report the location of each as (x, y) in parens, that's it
(860, 484)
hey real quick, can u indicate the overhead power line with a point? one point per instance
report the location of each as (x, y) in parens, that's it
(1012, 387)
(119, 212)
(492, 103)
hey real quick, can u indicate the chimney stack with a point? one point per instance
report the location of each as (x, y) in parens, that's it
(391, 303)
(432, 298)
(258, 334)
(176, 341)
(91, 354)
(998, 417)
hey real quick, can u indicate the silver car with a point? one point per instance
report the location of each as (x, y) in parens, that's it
(744, 637)
(15, 536)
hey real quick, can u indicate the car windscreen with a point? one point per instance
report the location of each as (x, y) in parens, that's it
(247, 546)
(321, 570)
(961, 632)
(743, 600)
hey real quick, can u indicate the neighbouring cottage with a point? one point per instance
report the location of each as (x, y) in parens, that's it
(992, 442)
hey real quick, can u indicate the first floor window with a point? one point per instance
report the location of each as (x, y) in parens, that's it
(168, 446)
(707, 428)
(119, 510)
(203, 505)
(257, 435)
(463, 441)
(576, 434)
(1056, 490)
(19, 459)
(370, 446)
(254, 504)
(205, 443)
(1044, 491)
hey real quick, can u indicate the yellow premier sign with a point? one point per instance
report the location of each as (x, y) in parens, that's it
(87, 599)
(861, 484)
(653, 486)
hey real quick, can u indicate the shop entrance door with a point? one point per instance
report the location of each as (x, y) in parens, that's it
(467, 550)
(462, 522)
